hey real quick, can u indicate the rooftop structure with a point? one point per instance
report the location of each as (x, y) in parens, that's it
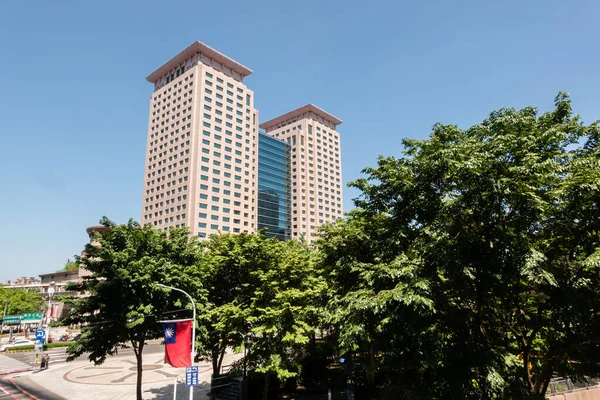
(299, 113)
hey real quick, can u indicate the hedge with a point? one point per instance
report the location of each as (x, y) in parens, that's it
(31, 347)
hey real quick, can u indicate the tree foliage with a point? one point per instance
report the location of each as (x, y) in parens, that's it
(124, 304)
(70, 266)
(19, 301)
(471, 263)
(470, 268)
(265, 288)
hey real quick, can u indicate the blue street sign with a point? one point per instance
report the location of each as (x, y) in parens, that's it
(39, 336)
(191, 376)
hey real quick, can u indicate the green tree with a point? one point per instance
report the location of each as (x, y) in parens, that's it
(124, 305)
(20, 301)
(473, 260)
(262, 285)
(376, 303)
(283, 308)
(70, 266)
(227, 262)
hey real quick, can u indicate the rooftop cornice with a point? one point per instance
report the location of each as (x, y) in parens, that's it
(191, 50)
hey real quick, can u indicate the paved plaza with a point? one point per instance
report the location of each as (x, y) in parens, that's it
(115, 379)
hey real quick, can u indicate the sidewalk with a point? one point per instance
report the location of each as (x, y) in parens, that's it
(115, 379)
(9, 365)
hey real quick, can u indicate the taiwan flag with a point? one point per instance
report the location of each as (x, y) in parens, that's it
(178, 342)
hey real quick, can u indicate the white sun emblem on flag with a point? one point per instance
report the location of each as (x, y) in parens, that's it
(169, 333)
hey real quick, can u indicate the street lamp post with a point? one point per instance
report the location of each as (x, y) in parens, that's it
(50, 293)
(193, 327)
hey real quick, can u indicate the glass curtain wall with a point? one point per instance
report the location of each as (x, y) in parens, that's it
(274, 205)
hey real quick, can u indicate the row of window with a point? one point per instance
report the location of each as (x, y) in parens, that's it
(219, 80)
(158, 96)
(224, 229)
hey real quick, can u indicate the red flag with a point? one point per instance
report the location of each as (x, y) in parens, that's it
(178, 342)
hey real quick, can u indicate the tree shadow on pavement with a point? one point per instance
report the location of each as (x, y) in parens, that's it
(183, 392)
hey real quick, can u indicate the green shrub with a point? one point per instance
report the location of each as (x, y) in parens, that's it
(59, 323)
(58, 344)
(21, 348)
(31, 347)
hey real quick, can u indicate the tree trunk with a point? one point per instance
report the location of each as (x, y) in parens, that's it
(138, 356)
(371, 369)
(138, 389)
(265, 394)
(215, 360)
(221, 356)
(546, 374)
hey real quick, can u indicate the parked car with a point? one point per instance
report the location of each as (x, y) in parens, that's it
(16, 343)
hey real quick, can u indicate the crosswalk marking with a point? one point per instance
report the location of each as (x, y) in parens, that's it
(55, 356)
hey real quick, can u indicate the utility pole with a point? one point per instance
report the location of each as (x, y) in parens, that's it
(50, 293)
(3, 316)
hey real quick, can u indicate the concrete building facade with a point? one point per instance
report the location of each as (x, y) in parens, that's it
(202, 161)
(316, 167)
(201, 154)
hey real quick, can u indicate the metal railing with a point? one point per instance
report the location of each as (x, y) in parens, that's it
(558, 386)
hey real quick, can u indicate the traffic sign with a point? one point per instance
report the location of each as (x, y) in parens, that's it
(191, 376)
(39, 336)
(31, 318)
(12, 320)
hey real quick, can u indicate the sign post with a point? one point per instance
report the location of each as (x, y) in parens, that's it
(50, 292)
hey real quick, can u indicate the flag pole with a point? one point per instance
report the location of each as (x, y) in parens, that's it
(193, 328)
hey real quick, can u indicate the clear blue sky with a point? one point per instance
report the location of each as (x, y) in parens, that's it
(74, 100)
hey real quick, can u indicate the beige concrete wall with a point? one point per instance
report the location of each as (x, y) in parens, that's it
(201, 156)
(316, 173)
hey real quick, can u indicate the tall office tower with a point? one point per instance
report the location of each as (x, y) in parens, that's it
(316, 164)
(274, 186)
(201, 155)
